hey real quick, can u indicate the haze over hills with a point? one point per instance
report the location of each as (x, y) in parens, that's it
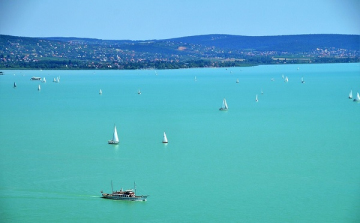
(193, 51)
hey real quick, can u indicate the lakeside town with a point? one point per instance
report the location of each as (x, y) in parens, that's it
(186, 52)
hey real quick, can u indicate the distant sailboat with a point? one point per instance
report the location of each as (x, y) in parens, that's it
(44, 80)
(256, 98)
(39, 88)
(350, 95)
(55, 81)
(302, 80)
(237, 81)
(195, 79)
(139, 92)
(286, 79)
(357, 99)
(262, 91)
(58, 79)
(14, 84)
(165, 140)
(115, 139)
(224, 106)
(100, 92)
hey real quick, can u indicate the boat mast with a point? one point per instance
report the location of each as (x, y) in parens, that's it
(135, 188)
(112, 189)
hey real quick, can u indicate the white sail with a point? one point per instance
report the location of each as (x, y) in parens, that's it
(44, 80)
(100, 92)
(39, 88)
(225, 104)
(256, 98)
(350, 95)
(165, 140)
(58, 79)
(115, 136)
(357, 99)
(286, 79)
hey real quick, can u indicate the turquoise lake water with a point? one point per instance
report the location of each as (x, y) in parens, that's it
(293, 156)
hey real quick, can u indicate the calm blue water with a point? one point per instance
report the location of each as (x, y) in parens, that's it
(291, 157)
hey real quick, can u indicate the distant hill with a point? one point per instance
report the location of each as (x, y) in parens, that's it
(192, 51)
(289, 43)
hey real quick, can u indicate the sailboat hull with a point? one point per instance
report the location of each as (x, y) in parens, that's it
(223, 109)
(113, 142)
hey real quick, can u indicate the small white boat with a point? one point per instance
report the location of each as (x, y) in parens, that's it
(39, 88)
(357, 98)
(350, 95)
(165, 140)
(43, 80)
(256, 98)
(139, 92)
(115, 139)
(302, 80)
(58, 79)
(195, 78)
(100, 92)
(224, 107)
(237, 81)
(286, 79)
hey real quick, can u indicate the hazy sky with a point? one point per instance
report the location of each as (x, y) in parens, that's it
(161, 19)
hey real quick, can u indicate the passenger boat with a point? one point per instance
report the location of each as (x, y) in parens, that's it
(127, 195)
(35, 78)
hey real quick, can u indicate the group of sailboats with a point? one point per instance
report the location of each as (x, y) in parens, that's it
(56, 80)
(356, 99)
(115, 138)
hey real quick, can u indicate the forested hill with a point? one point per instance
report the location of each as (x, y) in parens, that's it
(193, 51)
(289, 43)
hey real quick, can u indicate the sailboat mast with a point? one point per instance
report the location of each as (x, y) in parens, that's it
(135, 188)
(112, 189)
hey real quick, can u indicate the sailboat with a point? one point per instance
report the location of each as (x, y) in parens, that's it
(302, 80)
(286, 79)
(350, 95)
(100, 92)
(165, 140)
(115, 139)
(14, 84)
(139, 92)
(224, 106)
(44, 80)
(237, 81)
(357, 99)
(256, 98)
(39, 88)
